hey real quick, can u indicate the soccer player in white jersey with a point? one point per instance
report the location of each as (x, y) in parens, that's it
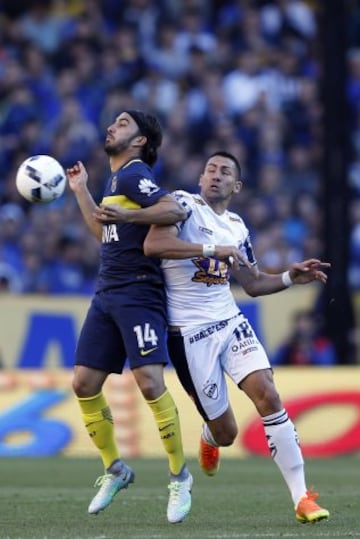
(208, 334)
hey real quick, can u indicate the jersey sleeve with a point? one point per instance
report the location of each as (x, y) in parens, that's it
(246, 249)
(143, 190)
(185, 200)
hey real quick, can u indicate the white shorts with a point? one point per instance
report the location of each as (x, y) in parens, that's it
(230, 347)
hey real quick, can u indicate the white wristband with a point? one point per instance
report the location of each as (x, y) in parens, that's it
(286, 279)
(208, 249)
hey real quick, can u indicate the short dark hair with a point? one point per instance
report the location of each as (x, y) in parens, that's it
(150, 127)
(228, 155)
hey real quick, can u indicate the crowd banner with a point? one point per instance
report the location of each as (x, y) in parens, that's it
(39, 415)
(41, 331)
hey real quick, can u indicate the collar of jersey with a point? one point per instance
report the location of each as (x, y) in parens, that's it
(136, 160)
(226, 212)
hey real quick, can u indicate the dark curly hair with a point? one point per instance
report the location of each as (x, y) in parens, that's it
(150, 127)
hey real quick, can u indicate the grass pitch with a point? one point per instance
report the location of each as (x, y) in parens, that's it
(48, 499)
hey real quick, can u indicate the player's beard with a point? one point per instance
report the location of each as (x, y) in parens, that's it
(116, 148)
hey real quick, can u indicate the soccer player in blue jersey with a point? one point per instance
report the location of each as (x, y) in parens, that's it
(127, 316)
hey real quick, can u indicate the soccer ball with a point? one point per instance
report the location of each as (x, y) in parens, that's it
(41, 179)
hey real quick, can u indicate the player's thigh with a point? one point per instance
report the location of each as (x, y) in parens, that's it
(199, 371)
(143, 325)
(100, 345)
(243, 353)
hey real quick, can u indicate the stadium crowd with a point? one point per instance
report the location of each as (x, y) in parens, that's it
(353, 96)
(240, 75)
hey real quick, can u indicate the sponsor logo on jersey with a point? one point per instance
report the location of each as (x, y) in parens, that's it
(147, 187)
(109, 233)
(235, 218)
(199, 201)
(206, 230)
(211, 271)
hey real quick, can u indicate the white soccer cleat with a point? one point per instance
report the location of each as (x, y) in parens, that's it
(179, 504)
(110, 484)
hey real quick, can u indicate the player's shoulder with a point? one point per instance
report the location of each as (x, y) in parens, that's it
(235, 218)
(192, 199)
(137, 179)
(136, 167)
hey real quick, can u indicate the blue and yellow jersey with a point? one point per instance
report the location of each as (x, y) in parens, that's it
(122, 259)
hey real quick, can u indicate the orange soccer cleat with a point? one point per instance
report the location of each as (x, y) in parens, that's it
(308, 510)
(209, 457)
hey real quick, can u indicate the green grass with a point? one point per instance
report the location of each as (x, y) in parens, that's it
(48, 499)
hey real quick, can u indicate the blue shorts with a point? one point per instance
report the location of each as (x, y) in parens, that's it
(124, 323)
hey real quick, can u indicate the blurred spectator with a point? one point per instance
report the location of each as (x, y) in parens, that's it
(241, 76)
(11, 227)
(305, 345)
(40, 25)
(65, 274)
(9, 279)
(300, 172)
(165, 54)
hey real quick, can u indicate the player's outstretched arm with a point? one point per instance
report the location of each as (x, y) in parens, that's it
(166, 211)
(261, 283)
(77, 178)
(308, 271)
(162, 242)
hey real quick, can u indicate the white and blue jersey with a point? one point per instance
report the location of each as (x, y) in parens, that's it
(204, 281)
(209, 336)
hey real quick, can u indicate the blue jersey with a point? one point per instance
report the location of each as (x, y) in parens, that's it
(122, 260)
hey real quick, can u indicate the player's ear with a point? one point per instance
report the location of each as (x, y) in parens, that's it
(139, 141)
(200, 179)
(238, 186)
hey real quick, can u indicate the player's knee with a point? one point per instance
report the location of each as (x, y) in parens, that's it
(151, 388)
(84, 387)
(150, 381)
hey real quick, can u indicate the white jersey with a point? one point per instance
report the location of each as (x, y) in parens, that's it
(198, 289)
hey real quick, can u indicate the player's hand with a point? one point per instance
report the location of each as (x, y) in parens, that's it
(77, 177)
(110, 213)
(232, 256)
(308, 271)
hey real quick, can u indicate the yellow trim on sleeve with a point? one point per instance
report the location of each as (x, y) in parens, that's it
(122, 201)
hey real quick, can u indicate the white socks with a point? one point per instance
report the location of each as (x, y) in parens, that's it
(284, 446)
(207, 436)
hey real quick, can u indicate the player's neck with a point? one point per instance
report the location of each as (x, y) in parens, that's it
(218, 206)
(118, 161)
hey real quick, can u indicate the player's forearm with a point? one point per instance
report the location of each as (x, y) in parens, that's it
(263, 284)
(163, 213)
(267, 283)
(171, 248)
(87, 206)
